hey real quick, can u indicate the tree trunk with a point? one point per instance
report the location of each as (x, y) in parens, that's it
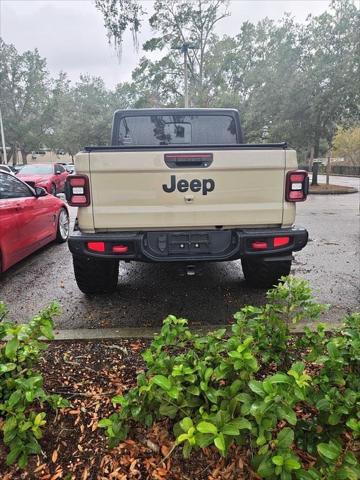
(11, 155)
(14, 155)
(311, 159)
(315, 171)
(23, 156)
(4, 158)
(317, 144)
(328, 169)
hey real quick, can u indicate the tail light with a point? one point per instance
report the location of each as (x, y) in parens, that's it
(297, 186)
(270, 243)
(77, 190)
(102, 247)
(281, 241)
(96, 246)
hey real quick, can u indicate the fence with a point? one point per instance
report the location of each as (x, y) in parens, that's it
(352, 170)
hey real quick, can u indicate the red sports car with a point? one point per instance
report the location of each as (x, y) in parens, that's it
(49, 176)
(29, 219)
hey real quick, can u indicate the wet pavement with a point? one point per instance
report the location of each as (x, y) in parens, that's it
(148, 292)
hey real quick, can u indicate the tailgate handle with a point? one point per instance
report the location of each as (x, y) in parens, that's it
(188, 160)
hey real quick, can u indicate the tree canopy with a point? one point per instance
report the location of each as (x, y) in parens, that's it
(346, 144)
(291, 82)
(24, 83)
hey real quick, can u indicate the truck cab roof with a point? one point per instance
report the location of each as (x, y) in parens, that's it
(178, 111)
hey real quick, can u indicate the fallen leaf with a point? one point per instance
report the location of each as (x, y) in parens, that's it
(85, 474)
(40, 467)
(160, 473)
(57, 475)
(165, 450)
(54, 456)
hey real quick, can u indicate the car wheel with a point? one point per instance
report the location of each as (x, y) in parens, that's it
(53, 189)
(63, 226)
(260, 274)
(96, 275)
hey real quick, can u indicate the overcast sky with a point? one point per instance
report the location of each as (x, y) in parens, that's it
(71, 36)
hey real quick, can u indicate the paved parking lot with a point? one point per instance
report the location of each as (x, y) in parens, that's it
(147, 293)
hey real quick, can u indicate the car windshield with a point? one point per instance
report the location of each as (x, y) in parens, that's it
(37, 170)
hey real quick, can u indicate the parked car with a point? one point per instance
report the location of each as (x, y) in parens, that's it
(49, 176)
(70, 167)
(5, 168)
(29, 219)
(16, 168)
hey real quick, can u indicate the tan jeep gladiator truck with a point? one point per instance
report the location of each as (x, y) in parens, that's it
(179, 185)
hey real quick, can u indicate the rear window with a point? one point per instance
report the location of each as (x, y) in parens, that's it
(177, 130)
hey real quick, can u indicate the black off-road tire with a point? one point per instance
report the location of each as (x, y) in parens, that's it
(95, 275)
(260, 274)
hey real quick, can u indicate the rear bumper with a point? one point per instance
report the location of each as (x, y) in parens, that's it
(191, 245)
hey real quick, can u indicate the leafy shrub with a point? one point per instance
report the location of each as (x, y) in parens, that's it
(216, 393)
(21, 389)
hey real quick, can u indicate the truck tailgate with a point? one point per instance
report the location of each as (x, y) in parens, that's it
(243, 187)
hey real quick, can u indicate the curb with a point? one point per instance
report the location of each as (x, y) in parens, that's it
(123, 333)
(91, 334)
(338, 191)
(341, 175)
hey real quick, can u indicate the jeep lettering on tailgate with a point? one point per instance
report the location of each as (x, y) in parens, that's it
(206, 185)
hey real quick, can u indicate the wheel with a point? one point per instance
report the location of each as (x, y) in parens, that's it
(63, 226)
(262, 274)
(53, 189)
(95, 275)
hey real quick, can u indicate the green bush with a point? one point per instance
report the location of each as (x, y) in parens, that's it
(248, 387)
(21, 392)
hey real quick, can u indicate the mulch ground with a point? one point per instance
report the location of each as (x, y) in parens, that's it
(89, 374)
(323, 189)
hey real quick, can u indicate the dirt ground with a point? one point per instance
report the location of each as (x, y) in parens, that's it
(89, 374)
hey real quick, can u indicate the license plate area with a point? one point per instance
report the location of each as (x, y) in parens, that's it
(185, 243)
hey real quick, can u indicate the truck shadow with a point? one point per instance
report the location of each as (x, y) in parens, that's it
(146, 294)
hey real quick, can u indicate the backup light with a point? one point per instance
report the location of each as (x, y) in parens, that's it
(78, 190)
